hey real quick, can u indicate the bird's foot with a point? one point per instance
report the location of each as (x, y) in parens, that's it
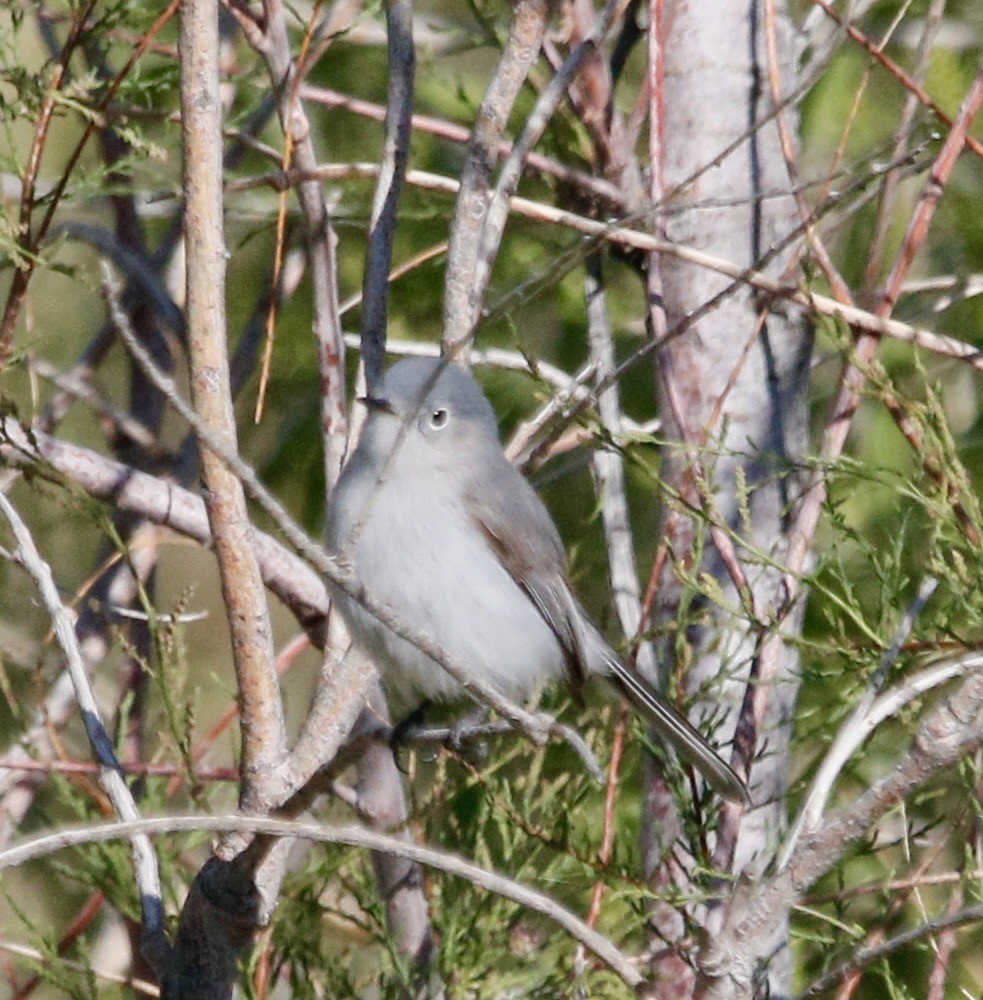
(460, 732)
(403, 732)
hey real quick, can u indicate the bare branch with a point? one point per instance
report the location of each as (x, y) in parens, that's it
(155, 944)
(609, 471)
(865, 718)
(950, 733)
(274, 48)
(395, 154)
(594, 187)
(263, 729)
(864, 957)
(164, 503)
(383, 803)
(910, 84)
(495, 217)
(461, 306)
(861, 320)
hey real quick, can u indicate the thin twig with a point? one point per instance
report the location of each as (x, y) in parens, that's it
(865, 957)
(593, 187)
(906, 81)
(18, 287)
(110, 774)
(273, 46)
(857, 728)
(802, 532)
(889, 185)
(29, 180)
(85, 969)
(861, 320)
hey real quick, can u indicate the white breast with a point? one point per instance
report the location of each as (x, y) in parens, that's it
(421, 556)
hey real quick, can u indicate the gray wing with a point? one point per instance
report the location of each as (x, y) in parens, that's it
(521, 533)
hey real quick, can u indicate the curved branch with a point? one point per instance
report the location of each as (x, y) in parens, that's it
(349, 836)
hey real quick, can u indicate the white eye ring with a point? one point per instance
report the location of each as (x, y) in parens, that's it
(438, 418)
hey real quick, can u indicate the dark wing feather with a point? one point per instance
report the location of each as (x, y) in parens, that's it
(501, 502)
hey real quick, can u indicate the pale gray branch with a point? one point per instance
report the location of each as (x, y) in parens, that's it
(868, 713)
(609, 470)
(461, 307)
(864, 957)
(497, 212)
(861, 320)
(110, 773)
(951, 732)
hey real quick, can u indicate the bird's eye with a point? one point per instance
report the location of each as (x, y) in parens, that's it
(438, 418)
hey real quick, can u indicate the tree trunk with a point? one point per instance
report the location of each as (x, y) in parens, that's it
(732, 396)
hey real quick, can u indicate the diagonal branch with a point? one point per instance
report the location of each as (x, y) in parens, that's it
(155, 944)
(949, 734)
(497, 212)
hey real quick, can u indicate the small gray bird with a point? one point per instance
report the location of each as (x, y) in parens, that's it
(439, 526)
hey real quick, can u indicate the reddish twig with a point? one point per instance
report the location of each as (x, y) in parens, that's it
(901, 76)
(280, 232)
(891, 179)
(610, 801)
(841, 415)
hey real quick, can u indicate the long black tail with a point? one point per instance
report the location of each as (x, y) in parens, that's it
(677, 731)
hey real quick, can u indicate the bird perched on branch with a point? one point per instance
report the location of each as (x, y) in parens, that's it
(442, 529)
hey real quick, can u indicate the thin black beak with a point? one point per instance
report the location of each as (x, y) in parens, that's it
(375, 405)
